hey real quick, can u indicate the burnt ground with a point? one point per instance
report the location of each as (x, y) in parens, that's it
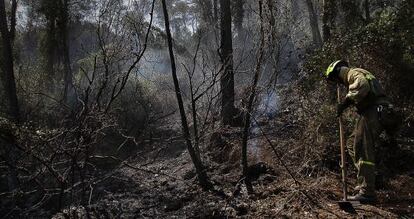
(162, 183)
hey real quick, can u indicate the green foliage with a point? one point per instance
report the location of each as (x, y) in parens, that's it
(384, 47)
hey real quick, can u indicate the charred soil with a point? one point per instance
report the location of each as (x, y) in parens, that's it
(300, 184)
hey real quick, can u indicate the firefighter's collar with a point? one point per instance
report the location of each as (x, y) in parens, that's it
(343, 74)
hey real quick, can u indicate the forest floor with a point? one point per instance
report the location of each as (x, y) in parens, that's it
(164, 185)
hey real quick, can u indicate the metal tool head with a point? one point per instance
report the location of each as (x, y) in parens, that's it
(347, 206)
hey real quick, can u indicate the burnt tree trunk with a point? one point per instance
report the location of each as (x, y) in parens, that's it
(200, 170)
(69, 89)
(238, 15)
(250, 102)
(50, 52)
(226, 56)
(9, 90)
(206, 9)
(8, 80)
(328, 18)
(352, 15)
(215, 11)
(313, 19)
(49, 8)
(367, 12)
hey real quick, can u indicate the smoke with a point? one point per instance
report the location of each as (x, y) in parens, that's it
(255, 149)
(267, 109)
(269, 104)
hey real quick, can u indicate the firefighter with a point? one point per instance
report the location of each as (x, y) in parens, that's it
(376, 114)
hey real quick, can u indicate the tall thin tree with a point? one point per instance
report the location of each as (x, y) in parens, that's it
(367, 11)
(226, 56)
(238, 15)
(9, 87)
(313, 19)
(352, 15)
(252, 96)
(8, 80)
(63, 25)
(215, 11)
(200, 170)
(328, 18)
(49, 43)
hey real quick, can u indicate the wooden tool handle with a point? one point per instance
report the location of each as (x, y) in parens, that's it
(341, 140)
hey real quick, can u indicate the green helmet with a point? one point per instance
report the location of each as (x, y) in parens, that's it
(332, 67)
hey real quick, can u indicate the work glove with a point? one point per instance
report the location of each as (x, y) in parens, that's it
(341, 107)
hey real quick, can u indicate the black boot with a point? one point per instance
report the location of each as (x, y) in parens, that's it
(363, 198)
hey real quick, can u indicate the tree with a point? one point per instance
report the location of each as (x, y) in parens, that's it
(200, 170)
(328, 18)
(63, 22)
(55, 44)
(8, 80)
(206, 9)
(49, 9)
(251, 99)
(367, 11)
(238, 15)
(313, 19)
(352, 15)
(226, 56)
(9, 88)
(215, 11)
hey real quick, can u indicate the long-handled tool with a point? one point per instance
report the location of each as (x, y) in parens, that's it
(344, 204)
